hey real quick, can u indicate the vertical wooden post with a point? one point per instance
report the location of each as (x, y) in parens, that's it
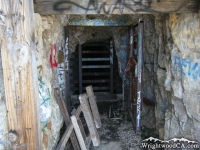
(20, 74)
(131, 73)
(80, 68)
(67, 75)
(140, 76)
(111, 67)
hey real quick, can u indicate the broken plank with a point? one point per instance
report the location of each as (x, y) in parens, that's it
(76, 113)
(65, 137)
(78, 133)
(89, 119)
(65, 115)
(93, 106)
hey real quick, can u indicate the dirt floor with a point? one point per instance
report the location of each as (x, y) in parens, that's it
(116, 134)
(117, 131)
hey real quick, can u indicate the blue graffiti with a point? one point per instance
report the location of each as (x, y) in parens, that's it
(99, 22)
(186, 67)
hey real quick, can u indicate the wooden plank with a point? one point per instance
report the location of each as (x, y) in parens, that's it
(67, 74)
(80, 68)
(89, 119)
(116, 7)
(20, 82)
(65, 137)
(88, 141)
(81, 128)
(78, 133)
(140, 77)
(77, 114)
(93, 106)
(111, 67)
(66, 118)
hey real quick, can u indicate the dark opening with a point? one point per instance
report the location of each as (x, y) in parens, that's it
(96, 70)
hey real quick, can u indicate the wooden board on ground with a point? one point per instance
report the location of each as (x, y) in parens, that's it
(67, 120)
(94, 108)
(89, 119)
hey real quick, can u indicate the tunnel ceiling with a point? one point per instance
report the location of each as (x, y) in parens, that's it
(49, 7)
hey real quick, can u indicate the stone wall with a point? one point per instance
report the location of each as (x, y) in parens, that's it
(178, 76)
(49, 36)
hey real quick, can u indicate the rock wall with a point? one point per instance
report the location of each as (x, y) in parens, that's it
(49, 41)
(178, 76)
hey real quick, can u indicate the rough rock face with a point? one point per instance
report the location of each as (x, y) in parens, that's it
(49, 35)
(185, 75)
(178, 78)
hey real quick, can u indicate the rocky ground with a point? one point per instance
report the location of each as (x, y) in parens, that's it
(117, 134)
(117, 131)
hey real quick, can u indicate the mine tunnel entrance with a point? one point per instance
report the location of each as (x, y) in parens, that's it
(97, 66)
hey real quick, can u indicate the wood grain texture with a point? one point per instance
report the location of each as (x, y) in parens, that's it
(94, 108)
(64, 112)
(20, 73)
(115, 7)
(89, 119)
(78, 133)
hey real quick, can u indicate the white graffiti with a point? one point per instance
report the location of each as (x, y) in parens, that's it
(138, 108)
(131, 40)
(67, 54)
(140, 75)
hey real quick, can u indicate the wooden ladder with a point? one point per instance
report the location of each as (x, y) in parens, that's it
(92, 119)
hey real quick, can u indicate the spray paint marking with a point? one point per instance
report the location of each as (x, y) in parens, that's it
(186, 67)
(131, 40)
(67, 54)
(140, 75)
(138, 107)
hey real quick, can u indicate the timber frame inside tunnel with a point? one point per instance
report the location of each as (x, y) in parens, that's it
(98, 59)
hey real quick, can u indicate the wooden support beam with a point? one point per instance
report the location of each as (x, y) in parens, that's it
(89, 119)
(66, 118)
(67, 74)
(94, 107)
(20, 74)
(140, 77)
(80, 68)
(78, 133)
(65, 137)
(115, 7)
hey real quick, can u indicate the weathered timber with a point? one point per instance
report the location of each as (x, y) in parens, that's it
(94, 107)
(20, 73)
(78, 133)
(89, 119)
(65, 137)
(66, 118)
(77, 112)
(115, 7)
(140, 77)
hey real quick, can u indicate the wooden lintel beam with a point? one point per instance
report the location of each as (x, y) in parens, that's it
(48, 7)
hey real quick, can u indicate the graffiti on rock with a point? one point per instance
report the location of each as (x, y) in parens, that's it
(186, 67)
